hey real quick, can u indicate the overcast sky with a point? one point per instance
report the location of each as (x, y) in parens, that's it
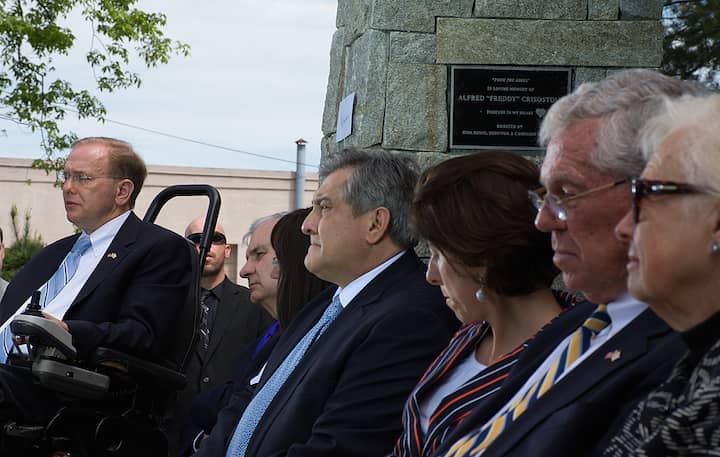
(255, 81)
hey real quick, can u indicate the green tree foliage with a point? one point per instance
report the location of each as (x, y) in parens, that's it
(692, 40)
(33, 38)
(24, 247)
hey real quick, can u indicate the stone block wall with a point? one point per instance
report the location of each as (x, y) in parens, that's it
(395, 55)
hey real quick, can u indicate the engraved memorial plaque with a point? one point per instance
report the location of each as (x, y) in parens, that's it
(502, 107)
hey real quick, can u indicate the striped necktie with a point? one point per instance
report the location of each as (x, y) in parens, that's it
(53, 286)
(476, 443)
(260, 402)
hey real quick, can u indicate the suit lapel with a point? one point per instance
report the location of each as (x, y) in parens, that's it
(23, 286)
(352, 313)
(632, 342)
(119, 248)
(537, 351)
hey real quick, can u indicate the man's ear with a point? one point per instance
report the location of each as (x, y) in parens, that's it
(378, 224)
(124, 191)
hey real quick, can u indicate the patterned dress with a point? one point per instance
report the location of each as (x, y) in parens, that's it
(682, 416)
(456, 406)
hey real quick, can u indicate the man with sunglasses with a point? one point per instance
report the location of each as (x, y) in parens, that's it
(228, 320)
(119, 283)
(582, 374)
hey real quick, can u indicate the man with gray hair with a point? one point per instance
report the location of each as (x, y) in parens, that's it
(582, 374)
(337, 379)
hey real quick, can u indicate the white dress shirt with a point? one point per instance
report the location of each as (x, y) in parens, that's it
(100, 239)
(622, 312)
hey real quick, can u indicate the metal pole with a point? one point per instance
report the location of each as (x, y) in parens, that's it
(300, 174)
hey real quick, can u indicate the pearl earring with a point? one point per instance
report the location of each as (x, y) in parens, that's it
(480, 293)
(715, 247)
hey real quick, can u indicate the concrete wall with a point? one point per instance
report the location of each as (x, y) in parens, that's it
(246, 195)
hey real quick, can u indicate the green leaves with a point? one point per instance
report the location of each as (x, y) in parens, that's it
(692, 40)
(32, 36)
(23, 249)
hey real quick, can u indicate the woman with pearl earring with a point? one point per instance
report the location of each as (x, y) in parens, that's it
(494, 269)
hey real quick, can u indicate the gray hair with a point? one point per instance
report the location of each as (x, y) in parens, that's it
(379, 178)
(700, 118)
(625, 101)
(258, 222)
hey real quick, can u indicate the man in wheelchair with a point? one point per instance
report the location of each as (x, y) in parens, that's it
(120, 284)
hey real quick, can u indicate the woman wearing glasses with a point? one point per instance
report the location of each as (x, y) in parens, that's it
(674, 266)
(495, 270)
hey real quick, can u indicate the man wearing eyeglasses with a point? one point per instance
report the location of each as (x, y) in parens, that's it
(120, 283)
(228, 320)
(582, 375)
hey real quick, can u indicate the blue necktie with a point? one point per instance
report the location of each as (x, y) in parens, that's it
(260, 402)
(54, 285)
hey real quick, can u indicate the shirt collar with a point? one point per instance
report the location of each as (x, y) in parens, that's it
(623, 310)
(103, 236)
(349, 292)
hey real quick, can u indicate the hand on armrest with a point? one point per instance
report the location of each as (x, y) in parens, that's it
(52, 318)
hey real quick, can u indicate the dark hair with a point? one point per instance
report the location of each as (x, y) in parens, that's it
(475, 209)
(124, 162)
(1, 236)
(296, 285)
(379, 178)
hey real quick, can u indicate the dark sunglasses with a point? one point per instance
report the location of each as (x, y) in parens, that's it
(643, 187)
(217, 238)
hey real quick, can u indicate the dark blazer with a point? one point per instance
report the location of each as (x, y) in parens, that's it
(582, 412)
(345, 397)
(237, 323)
(130, 301)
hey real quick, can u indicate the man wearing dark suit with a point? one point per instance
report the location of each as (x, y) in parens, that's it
(345, 395)
(228, 320)
(131, 281)
(591, 139)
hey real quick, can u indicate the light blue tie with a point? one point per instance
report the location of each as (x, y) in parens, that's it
(54, 285)
(257, 406)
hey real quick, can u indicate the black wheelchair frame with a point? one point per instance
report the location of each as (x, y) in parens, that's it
(114, 404)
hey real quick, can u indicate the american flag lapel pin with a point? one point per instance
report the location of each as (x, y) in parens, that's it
(112, 255)
(612, 356)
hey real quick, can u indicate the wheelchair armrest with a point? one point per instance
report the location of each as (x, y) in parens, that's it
(44, 332)
(143, 371)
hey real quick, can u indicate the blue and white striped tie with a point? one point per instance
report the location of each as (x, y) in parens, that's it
(260, 402)
(53, 286)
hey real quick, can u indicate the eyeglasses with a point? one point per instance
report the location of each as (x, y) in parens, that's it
(643, 187)
(217, 238)
(557, 205)
(81, 178)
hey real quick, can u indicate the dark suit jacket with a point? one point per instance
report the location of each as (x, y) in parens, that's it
(345, 397)
(237, 323)
(129, 302)
(581, 413)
